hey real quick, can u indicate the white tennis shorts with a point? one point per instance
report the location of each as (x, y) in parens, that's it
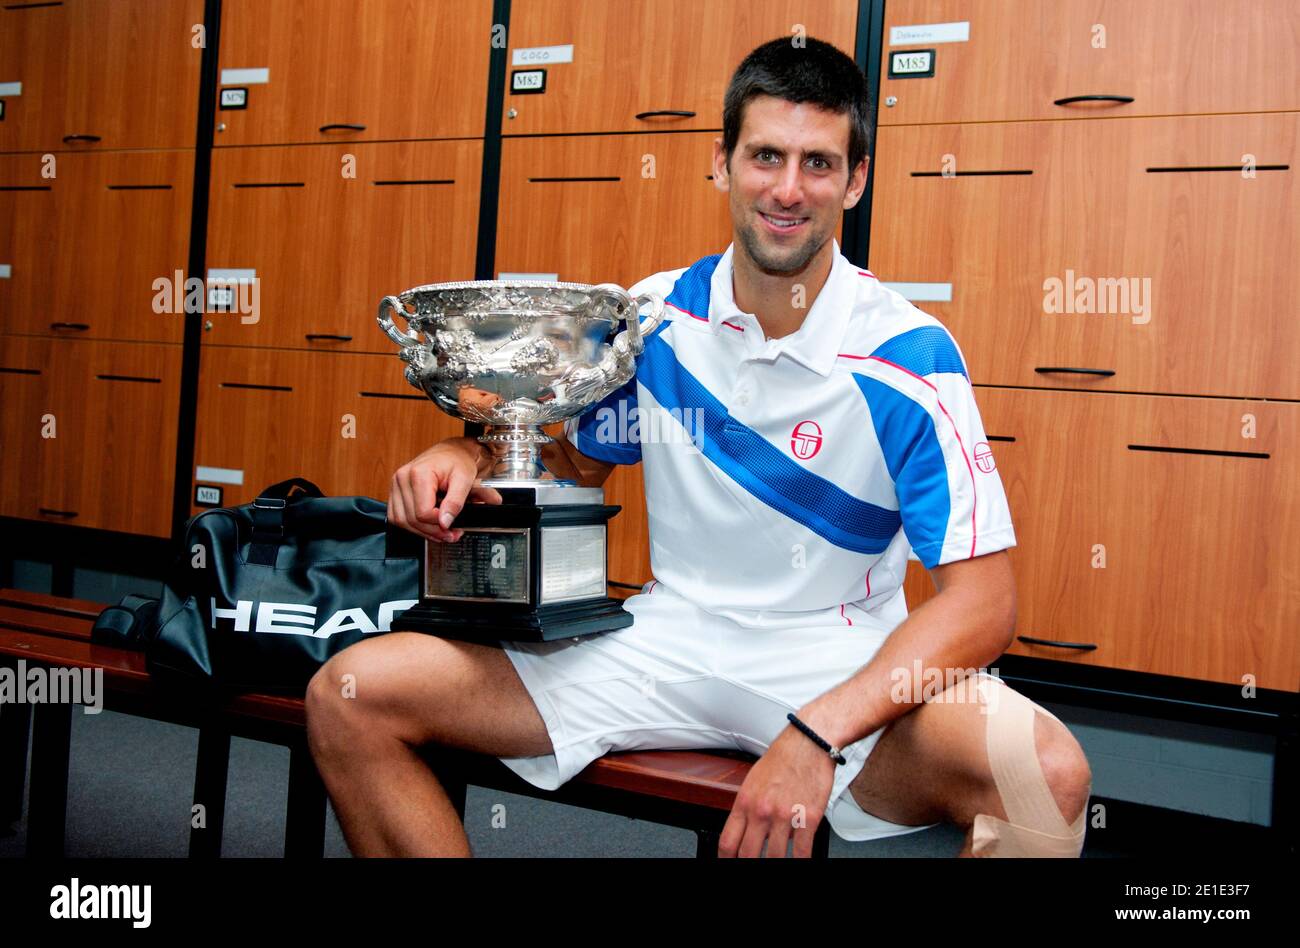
(681, 678)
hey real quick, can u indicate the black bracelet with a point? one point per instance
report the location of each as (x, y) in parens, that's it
(833, 751)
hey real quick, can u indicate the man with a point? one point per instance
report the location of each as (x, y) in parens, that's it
(838, 431)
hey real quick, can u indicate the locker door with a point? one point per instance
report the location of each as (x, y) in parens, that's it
(608, 209)
(25, 394)
(1158, 57)
(1119, 546)
(128, 455)
(413, 70)
(329, 231)
(616, 78)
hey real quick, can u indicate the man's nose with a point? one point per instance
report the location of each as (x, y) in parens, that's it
(787, 190)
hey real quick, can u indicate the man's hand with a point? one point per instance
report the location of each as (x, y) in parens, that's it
(429, 492)
(786, 792)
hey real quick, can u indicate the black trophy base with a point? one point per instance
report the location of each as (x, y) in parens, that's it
(491, 623)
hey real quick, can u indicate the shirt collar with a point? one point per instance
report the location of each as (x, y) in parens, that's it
(816, 343)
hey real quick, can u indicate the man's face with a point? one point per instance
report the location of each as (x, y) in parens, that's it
(788, 181)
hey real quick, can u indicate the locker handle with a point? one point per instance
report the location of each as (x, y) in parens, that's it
(313, 336)
(80, 327)
(1122, 99)
(669, 113)
(1045, 369)
(68, 139)
(342, 127)
(1084, 646)
(56, 513)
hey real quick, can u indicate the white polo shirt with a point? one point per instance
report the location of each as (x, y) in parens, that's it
(787, 479)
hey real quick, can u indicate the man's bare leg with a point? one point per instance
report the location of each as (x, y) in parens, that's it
(371, 706)
(931, 765)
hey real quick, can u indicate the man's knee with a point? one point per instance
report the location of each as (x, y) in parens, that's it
(340, 711)
(1040, 777)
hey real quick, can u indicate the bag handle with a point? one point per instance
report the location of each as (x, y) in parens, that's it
(268, 517)
(283, 489)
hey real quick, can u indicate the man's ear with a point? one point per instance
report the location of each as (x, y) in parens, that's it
(721, 180)
(857, 184)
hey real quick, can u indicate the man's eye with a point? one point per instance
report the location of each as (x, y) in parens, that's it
(821, 164)
(765, 156)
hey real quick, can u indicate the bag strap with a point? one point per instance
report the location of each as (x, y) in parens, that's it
(268, 517)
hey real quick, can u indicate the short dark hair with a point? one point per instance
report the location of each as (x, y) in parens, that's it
(812, 71)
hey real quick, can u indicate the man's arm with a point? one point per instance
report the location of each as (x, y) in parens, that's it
(564, 460)
(969, 623)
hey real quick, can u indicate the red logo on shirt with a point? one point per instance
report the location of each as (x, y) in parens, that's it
(806, 440)
(984, 457)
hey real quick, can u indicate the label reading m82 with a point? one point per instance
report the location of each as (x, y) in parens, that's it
(527, 81)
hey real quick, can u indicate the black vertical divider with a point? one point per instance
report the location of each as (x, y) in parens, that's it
(187, 404)
(196, 267)
(866, 52)
(490, 180)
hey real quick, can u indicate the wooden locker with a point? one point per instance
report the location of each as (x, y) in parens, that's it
(101, 74)
(33, 65)
(131, 409)
(629, 531)
(344, 421)
(1155, 211)
(1170, 57)
(64, 430)
(1161, 530)
(327, 248)
(25, 399)
(648, 65)
(354, 70)
(29, 241)
(379, 421)
(587, 208)
(89, 237)
(257, 421)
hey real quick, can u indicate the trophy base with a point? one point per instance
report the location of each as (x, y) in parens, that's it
(491, 624)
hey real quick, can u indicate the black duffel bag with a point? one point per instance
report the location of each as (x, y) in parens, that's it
(261, 595)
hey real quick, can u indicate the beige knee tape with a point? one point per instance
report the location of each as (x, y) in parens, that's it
(1034, 825)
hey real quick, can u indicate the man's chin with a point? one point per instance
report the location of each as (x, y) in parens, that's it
(784, 261)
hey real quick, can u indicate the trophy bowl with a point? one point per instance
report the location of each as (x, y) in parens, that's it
(514, 356)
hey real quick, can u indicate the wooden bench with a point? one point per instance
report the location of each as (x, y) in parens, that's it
(689, 789)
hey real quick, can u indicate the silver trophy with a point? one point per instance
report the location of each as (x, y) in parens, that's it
(514, 356)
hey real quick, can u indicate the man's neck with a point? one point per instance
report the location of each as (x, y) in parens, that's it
(779, 301)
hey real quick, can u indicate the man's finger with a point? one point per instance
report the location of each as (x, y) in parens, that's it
(804, 836)
(756, 830)
(396, 512)
(485, 495)
(453, 500)
(420, 502)
(732, 832)
(778, 839)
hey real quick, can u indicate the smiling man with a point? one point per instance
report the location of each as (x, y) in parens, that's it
(839, 433)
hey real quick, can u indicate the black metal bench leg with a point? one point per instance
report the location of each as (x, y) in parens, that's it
(210, 776)
(1286, 782)
(47, 806)
(304, 834)
(821, 848)
(706, 845)
(15, 726)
